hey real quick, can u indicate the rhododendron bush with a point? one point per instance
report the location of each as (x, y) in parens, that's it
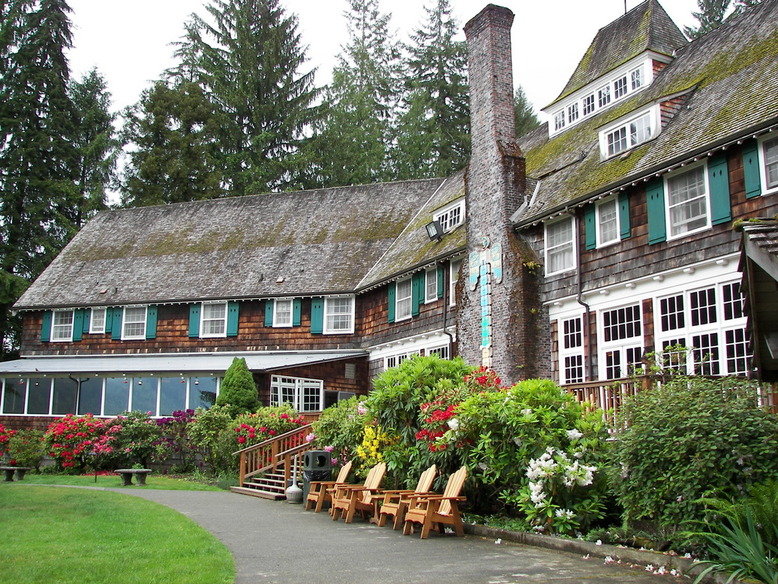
(75, 441)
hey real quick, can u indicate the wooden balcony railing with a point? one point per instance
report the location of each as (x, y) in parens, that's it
(269, 454)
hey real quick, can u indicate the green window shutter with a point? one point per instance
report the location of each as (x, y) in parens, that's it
(317, 315)
(417, 293)
(194, 320)
(751, 174)
(108, 319)
(233, 314)
(624, 224)
(151, 322)
(718, 179)
(655, 206)
(441, 281)
(269, 306)
(46, 326)
(116, 324)
(391, 299)
(78, 324)
(590, 226)
(297, 311)
(87, 320)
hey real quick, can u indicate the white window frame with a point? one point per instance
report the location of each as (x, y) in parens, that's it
(430, 285)
(296, 386)
(601, 241)
(205, 334)
(705, 197)
(571, 352)
(277, 321)
(630, 137)
(95, 325)
(454, 267)
(442, 351)
(559, 120)
(396, 359)
(66, 334)
(719, 326)
(568, 243)
(621, 346)
(451, 216)
(763, 163)
(329, 303)
(125, 322)
(403, 299)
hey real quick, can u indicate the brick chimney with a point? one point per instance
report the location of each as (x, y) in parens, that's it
(497, 316)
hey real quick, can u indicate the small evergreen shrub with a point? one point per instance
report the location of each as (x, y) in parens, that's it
(238, 391)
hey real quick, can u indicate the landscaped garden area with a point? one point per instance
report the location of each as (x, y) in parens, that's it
(694, 468)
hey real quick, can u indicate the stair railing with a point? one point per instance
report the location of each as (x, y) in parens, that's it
(259, 458)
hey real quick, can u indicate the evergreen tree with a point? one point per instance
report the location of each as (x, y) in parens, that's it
(710, 17)
(96, 144)
(354, 138)
(238, 391)
(247, 62)
(433, 132)
(525, 117)
(742, 6)
(173, 135)
(37, 157)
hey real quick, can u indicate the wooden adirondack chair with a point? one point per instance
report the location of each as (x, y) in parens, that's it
(348, 499)
(437, 510)
(395, 503)
(318, 495)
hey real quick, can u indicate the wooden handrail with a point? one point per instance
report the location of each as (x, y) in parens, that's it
(261, 457)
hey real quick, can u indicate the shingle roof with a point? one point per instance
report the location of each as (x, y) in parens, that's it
(645, 27)
(301, 243)
(730, 80)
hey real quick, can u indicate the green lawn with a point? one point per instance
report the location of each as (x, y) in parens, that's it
(76, 536)
(153, 481)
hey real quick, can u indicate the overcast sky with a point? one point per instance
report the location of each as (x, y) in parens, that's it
(129, 41)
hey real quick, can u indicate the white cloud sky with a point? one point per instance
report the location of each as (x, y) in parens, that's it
(129, 41)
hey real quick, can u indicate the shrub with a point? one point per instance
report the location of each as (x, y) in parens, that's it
(238, 391)
(76, 442)
(693, 438)
(26, 448)
(210, 433)
(265, 423)
(175, 433)
(339, 429)
(138, 439)
(5, 436)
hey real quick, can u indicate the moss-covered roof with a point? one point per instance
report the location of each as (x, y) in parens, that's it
(301, 243)
(647, 27)
(729, 79)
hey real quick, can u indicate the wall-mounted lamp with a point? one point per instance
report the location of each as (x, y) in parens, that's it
(434, 230)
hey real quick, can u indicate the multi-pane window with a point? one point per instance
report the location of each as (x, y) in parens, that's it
(442, 351)
(214, 320)
(770, 155)
(607, 222)
(571, 351)
(706, 328)
(305, 395)
(134, 323)
(572, 112)
(395, 360)
(451, 217)
(338, 314)
(687, 202)
(97, 321)
(621, 341)
(617, 140)
(628, 135)
(453, 276)
(431, 285)
(62, 325)
(560, 251)
(621, 323)
(620, 87)
(282, 312)
(604, 96)
(588, 104)
(636, 78)
(403, 300)
(559, 120)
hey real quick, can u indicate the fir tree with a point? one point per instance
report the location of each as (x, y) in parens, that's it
(96, 144)
(433, 132)
(173, 134)
(248, 63)
(238, 391)
(525, 117)
(710, 17)
(742, 6)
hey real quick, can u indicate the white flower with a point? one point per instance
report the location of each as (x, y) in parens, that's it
(526, 412)
(662, 570)
(498, 541)
(598, 542)
(567, 513)
(650, 568)
(574, 434)
(609, 560)
(453, 423)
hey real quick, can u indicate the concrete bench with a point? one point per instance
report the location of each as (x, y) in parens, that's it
(10, 470)
(128, 472)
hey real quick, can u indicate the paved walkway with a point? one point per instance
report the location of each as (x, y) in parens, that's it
(280, 543)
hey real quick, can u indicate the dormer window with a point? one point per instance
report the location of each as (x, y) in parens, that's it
(620, 87)
(625, 134)
(588, 104)
(604, 95)
(559, 120)
(572, 112)
(451, 216)
(636, 78)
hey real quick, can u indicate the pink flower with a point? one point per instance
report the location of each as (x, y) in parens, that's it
(310, 437)
(329, 448)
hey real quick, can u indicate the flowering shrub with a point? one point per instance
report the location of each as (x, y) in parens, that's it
(138, 439)
(73, 440)
(339, 429)
(209, 432)
(26, 448)
(250, 429)
(5, 435)
(374, 441)
(175, 434)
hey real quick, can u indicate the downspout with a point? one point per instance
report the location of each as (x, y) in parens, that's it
(587, 310)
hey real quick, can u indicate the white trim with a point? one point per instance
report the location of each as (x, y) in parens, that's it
(571, 243)
(203, 334)
(763, 163)
(454, 268)
(276, 323)
(62, 338)
(415, 343)
(652, 114)
(451, 216)
(430, 274)
(94, 330)
(137, 337)
(597, 219)
(297, 385)
(571, 352)
(405, 315)
(705, 197)
(327, 330)
(623, 346)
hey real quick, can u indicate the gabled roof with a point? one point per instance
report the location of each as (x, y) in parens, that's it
(647, 27)
(729, 79)
(284, 244)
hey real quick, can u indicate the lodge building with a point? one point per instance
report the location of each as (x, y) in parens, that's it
(642, 217)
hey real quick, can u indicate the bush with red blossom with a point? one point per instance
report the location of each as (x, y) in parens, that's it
(74, 441)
